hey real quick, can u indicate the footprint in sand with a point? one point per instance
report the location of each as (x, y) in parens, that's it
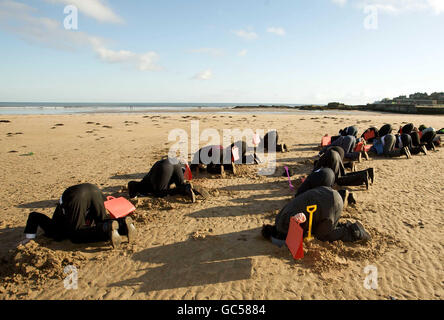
(89, 122)
(108, 127)
(59, 125)
(5, 121)
(13, 151)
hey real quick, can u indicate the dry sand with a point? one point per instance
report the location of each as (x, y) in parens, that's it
(213, 249)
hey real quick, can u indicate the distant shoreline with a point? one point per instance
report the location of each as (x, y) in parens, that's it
(91, 108)
(387, 108)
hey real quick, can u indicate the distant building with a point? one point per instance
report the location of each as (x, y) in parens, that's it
(436, 98)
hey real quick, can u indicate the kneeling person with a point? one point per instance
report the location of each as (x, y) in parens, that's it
(81, 217)
(157, 182)
(325, 224)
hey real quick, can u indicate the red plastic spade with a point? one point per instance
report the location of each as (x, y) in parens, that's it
(294, 239)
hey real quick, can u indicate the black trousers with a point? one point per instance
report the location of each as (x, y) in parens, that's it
(340, 231)
(427, 139)
(270, 141)
(352, 178)
(416, 141)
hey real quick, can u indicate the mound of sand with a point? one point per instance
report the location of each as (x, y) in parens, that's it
(34, 263)
(323, 257)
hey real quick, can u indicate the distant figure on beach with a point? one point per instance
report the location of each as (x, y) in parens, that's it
(159, 179)
(370, 134)
(405, 140)
(333, 158)
(428, 137)
(213, 159)
(386, 145)
(270, 143)
(216, 159)
(348, 144)
(325, 224)
(385, 129)
(347, 131)
(81, 217)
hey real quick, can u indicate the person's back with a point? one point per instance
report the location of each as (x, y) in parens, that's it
(370, 134)
(385, 130)
(351, 131)
(407, 129)
(154, 178)
(329, 207)
(321, 177)
(332, 159)
(78, 204)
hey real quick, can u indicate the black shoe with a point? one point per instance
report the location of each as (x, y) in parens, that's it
(432, 146)
(116, 240)
(406, 152)
(267, 231)
(132, 189)
(256, 159)
(366, 179)
(371, 174)
(351, 199)
(285, 147)
(132, 232)
(190, 193)
(359, 232)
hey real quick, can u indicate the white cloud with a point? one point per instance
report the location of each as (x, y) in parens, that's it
(204, 75)
(211, 51)
(276, 30)
(143, 62)
(243, 53)
(96, 9)
(20, 19)
(249, 35)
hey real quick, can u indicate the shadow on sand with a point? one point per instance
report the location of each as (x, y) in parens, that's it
(215, 259)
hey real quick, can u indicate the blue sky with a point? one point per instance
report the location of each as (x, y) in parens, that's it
(263, 51)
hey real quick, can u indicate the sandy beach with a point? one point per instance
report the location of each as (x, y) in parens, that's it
(213, 249)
